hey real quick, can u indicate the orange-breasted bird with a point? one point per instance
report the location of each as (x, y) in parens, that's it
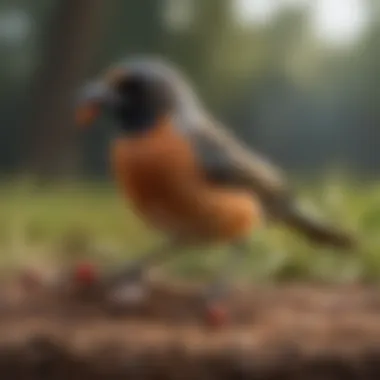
(184, 173)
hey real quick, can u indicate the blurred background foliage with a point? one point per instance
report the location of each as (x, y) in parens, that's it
(305, 94)
(310, 103)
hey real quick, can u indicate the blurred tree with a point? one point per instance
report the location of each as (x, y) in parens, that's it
(195, 43)
(71, 35)
(368, 96)
(288, 93)
(133, 27)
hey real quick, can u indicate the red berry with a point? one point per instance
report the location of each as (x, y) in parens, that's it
(85, 274)
(216, 315)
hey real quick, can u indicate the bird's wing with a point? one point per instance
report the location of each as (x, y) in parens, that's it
(228, 162)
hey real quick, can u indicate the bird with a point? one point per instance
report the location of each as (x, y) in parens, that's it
(188, 175)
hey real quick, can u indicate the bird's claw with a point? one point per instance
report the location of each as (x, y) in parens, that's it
(127, 286)
(214, 305)
(131, 273)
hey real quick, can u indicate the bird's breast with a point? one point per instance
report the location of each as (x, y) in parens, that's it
(160, 175)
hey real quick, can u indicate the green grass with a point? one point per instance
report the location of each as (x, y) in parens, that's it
(66, 221)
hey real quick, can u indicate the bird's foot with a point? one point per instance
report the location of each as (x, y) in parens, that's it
(216, 311)
(127, 274)
(127, 287)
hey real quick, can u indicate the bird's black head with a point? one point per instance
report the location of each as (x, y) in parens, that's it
(140, 101)
(136, 96)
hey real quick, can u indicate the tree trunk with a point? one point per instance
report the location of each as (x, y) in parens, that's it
(50, 130)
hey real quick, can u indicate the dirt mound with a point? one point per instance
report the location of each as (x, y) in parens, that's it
(292, 332)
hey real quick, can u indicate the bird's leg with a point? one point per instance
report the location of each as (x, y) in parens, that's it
(133, 272)
(217, 291)
(126, 287)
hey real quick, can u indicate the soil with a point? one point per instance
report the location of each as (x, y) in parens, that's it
(294, 331)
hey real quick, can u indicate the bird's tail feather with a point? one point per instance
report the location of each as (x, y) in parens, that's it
(314, 229)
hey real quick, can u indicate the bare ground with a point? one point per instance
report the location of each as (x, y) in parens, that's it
(288, 332)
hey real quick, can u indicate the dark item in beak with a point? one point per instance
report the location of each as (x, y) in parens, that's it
(90, 104)
(87, 114)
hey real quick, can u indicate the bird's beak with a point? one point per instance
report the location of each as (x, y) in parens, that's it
(90, 104)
